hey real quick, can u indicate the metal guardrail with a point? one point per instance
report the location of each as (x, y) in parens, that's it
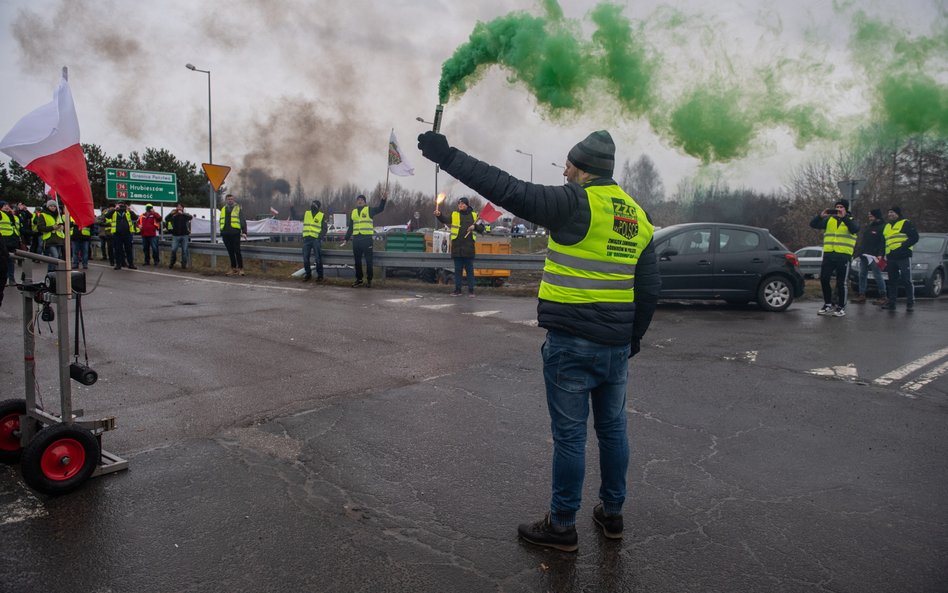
(382, 259)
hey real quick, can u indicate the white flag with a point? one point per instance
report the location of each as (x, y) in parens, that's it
(396, 161)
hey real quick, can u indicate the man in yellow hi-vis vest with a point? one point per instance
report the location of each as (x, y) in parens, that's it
(900, 237)
(362, 233)
(314, 229)
(464, 229)
(597, 296)
(839, 244)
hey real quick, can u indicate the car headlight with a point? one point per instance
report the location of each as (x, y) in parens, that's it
(920, 266)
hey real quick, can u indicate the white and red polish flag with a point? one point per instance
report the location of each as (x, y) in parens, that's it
(489, 214)
(47, 190)
(46, 142)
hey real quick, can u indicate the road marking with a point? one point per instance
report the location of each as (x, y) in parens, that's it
(927, 377)
(905, 370)
(749, 356)
(840, 372)
(483, 313)
(22, 509)
(437, 306)
(529, 322)
(403, 300)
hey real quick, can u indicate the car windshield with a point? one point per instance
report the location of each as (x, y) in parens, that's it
(929, 245)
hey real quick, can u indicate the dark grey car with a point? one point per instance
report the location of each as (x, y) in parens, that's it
(736, 263)
(929, 264)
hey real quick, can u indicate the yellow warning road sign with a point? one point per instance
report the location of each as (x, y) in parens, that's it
(216, 174)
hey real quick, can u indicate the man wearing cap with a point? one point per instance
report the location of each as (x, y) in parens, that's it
(362, 232)
(597, 296)
(900, 237)
(49, 225)
(149, 224)
(9, 236)
(870, 249)
(314, 229)
(122, 224)
(839, 243)
(464, 229)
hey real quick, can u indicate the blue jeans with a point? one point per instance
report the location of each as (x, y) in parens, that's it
(80, 253)
(464, 263)
(865, 265)
(313, 247)
(577, 372)
(53, 251)
(184, 242)
(150, 249)
(900, 274)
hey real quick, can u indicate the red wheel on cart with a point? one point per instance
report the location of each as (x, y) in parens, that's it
(10, 412)
(60, 458)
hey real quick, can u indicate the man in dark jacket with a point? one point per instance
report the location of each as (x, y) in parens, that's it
(597, 296)
(362, 233)
(869, 250)
(839, 244)
(179, 223)
(900, 236)
(464, 229)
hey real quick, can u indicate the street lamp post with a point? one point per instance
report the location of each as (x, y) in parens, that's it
(531, 162)
(212, 197)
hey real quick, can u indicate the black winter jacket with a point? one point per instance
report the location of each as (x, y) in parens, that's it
(872, 242)
(564, 210)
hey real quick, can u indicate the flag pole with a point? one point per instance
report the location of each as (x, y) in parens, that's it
(388, 159)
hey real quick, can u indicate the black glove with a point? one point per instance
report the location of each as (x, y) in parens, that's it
(434, 147)
(636, 346)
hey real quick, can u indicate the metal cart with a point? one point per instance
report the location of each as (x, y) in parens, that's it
(57, 451)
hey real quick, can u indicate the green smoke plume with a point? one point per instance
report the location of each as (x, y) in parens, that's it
(717, 115)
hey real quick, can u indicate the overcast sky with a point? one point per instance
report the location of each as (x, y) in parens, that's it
(312, 89)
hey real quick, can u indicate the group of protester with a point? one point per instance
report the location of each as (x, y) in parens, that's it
(885, 245)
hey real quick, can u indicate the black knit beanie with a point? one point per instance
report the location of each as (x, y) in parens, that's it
(596, 154)
(897, 210)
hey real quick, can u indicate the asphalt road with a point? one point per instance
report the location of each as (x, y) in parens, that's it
(288, 437)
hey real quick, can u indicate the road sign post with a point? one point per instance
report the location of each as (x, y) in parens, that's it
(141, 186)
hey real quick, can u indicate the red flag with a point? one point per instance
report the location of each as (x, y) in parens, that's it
(46, 142)
(489, 214)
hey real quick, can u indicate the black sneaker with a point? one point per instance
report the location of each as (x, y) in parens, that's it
(611, 524)
(368, 284)
(889, 306)
(356, 283)
(544, 533)
(910, 307)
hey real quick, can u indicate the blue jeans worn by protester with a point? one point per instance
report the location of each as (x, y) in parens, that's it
(80, 254)
(150, 248)
(313, 247)
(184, 242)
(460, 264)
(578, 372)
(865, 265)
(56, 251)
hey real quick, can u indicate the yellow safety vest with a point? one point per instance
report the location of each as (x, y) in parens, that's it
(49, 221)
(601, 267)
(9, 227)
(362, 222)
(837, 238)
(312, 225)
(234, 217)
(85, 231)
(456, 225)
(113, 218)
(894, 237)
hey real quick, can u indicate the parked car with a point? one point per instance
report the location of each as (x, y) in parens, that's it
(929, 266)
(810, 258)
(736, 263)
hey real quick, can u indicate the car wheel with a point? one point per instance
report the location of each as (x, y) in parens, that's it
(774, 294)
(935, 284)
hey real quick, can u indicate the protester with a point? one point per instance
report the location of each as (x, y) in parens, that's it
(79, 244)
(121, 221)
(26, 225)
(870, 250)
(4, 262)
(49, 225)
(362, 232)
(105, 236)
(10, 237)
(314, 229)
(464, 229)
(598, 293)
(900, 237)
(179, 223)
(233, 229)
(839, 242)
(149, 224)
